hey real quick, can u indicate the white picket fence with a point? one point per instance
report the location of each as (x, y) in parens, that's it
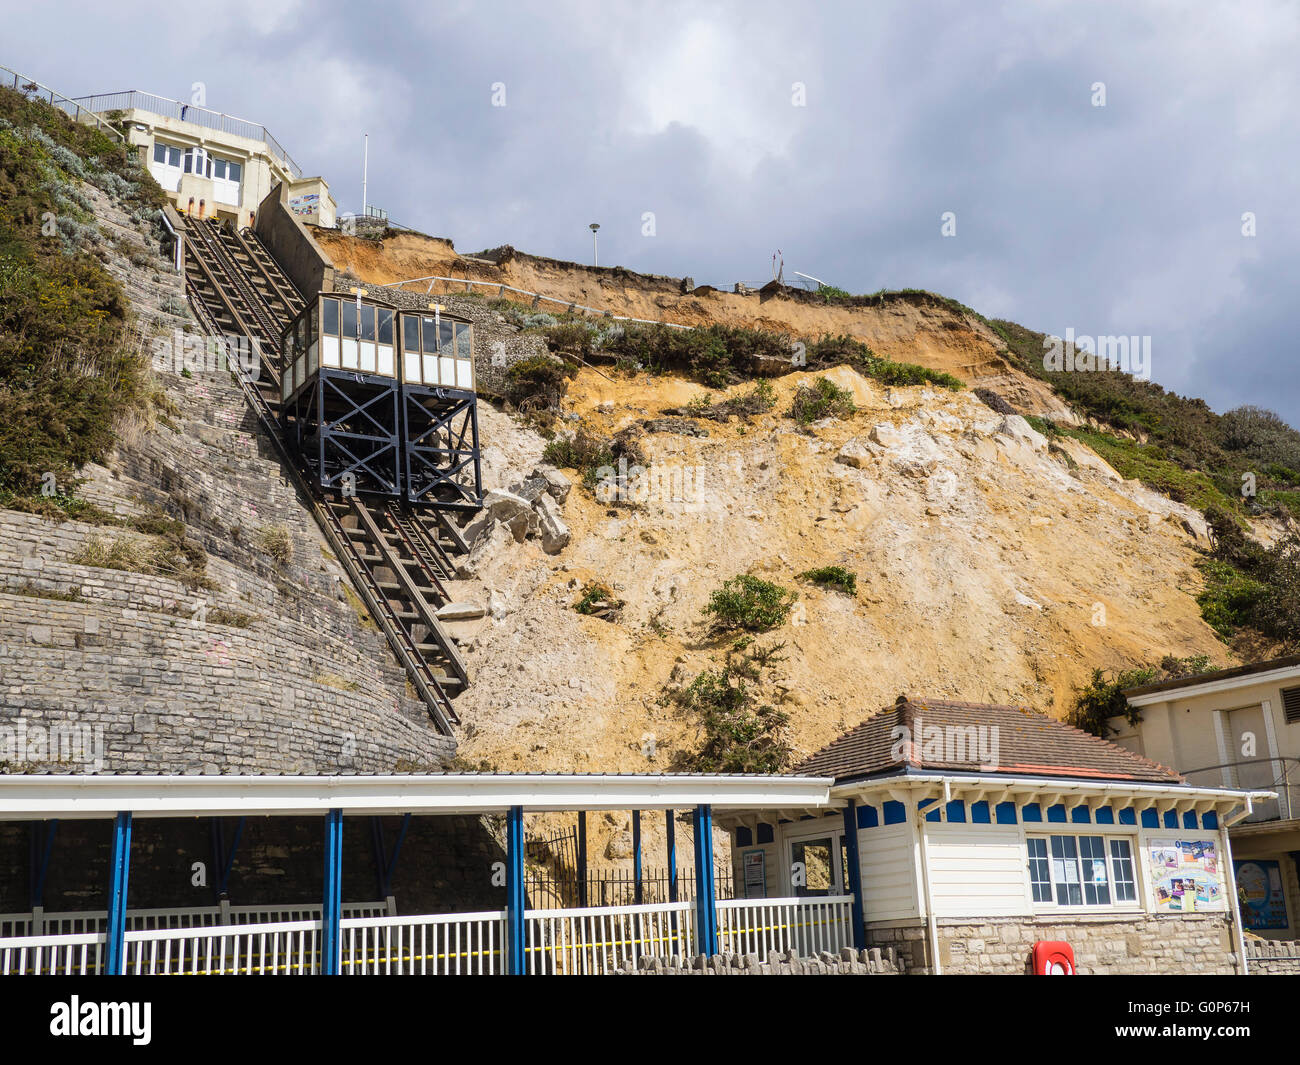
(437, 944)
(587, 941)
(597, 940)
(72, 922)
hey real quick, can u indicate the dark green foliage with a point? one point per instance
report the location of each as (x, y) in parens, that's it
(1249, 586)
(742, 734)
(822, 399)
(68, 372)
(589, 454)
(750, 604)
(758, 400)
(598, 600)
(836, 577)
(846, 351)
(537, 382)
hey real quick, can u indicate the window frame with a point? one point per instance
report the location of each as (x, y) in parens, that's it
(1056, 884)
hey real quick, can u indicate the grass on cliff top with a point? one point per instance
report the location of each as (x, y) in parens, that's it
(68, 370)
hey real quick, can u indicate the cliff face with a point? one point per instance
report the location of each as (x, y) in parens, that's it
(909, 327)
(991, 566)
(266, 667)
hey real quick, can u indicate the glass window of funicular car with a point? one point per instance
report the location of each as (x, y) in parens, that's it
(356, 336)
(437, 351)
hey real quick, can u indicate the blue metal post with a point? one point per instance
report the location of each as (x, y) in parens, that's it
(637, 897)
(706, 911)
(119, 862)
(515, 891)
(332, 907)
(855, 874)
(670, 828)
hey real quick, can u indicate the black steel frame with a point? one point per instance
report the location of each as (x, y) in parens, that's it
(440, 447)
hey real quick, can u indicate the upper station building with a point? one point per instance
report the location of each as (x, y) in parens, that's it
(212, 163)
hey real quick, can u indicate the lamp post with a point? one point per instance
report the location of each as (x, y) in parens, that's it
(595, 258)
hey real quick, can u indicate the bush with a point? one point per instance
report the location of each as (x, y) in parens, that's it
(590, 454)
(823, 399)
(537, 382)
(276, 542)
(832, 351)
(598, 600)
(836, 577)
(741, 733)
(1102, 698)
(68, 371)
(750, 604)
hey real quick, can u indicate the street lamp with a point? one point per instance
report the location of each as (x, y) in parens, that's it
(595, 258)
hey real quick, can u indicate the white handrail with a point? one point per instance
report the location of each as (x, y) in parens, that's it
(66, 101)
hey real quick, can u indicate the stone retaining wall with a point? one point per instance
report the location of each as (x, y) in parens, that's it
(1273, 957)
(1193, 944)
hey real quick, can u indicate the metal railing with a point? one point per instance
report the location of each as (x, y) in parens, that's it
(1281, 775)
(183, 112)
(574, 941)
(805, 925)
(69, 106)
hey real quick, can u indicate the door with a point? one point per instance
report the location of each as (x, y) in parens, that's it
(1253, 757)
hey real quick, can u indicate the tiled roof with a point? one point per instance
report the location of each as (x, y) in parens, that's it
(1028, 743)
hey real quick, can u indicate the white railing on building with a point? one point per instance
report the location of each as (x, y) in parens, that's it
(66, 104)
(805, 925)
(67, 955)
(282, 948)
(580, 941)
(72, 922)
(451, 944)
(183, 112)
(599, 939)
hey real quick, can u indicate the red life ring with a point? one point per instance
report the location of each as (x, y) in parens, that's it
(1053, 959)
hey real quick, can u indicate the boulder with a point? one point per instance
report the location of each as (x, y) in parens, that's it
(886, 435)
(509, 509)
(555, 534)
(557, 485)
(858, 452)
(460, 612)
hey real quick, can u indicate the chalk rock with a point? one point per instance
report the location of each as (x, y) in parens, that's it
(555, 534)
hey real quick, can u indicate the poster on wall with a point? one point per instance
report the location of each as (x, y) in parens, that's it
(1259, 886)
(755, 875)
(1185, 875)
(307, 204)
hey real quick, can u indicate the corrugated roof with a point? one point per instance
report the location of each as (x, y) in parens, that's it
(1027, 743)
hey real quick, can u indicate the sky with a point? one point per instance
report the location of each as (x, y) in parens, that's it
(1118, 169)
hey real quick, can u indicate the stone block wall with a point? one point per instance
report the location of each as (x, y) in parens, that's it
(302, 682)
(1104, 944)
(1273, 957)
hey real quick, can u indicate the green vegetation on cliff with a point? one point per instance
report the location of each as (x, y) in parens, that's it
(68, 368)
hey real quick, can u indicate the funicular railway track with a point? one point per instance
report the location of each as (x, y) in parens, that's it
(399, 559)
